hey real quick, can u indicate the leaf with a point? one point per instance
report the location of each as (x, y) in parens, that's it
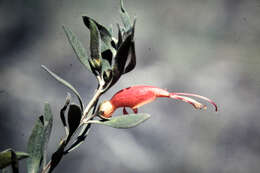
(83, 133)
(121, 59)
(125, 17)
(77, 47)
(80, 139)
(110, 29)
(124, 121)
(57, 156)
(64, 82)
(106, 70)
(107, 55)
(122, 54)
(74, 117)
(38, 141)
(62, 113)
(106, 36)
(104, 33)
(6, 157)
(120, 37)
(48, 121)
(95, 45)
(132, 62)
(92, 66)
(35, 146)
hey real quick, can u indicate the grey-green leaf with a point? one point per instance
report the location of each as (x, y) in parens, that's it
(64, 82)
(48, 121)
(105, 34)
(6, 157)
(62, 113)
(95, 45)
(77, 47)
(124, 121)
(38, 141)
(35, 146)
(125, 17)
(120, 37)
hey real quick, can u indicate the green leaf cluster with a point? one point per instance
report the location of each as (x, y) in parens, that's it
(109, 57)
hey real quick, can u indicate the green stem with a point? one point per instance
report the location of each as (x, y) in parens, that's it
(92, 101)
(46, 168)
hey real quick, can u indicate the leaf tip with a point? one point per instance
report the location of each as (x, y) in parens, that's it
(122, 6)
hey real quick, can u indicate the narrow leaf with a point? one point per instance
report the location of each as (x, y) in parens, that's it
(122, 54)
(74, 117)
(6, 157)
(121, 59)
(104, 33)
(35, 146)
(124, 121)
(132, 62)
(92, 66)
(64, 82)
(120, 36)
(77, 47)
(110, 29)
(62, 113)
(38, 141)
(48, 121)
(106, 70)
(125, 17)
(95, 45)
(107, 55)
(80, 139)
(83, 133)
(57, 156)
(106, 36)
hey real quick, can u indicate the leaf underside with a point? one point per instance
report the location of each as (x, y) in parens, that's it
(37, 143)
(124, 121)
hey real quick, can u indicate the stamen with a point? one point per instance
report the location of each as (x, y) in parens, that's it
(201, 97)
(194, 103)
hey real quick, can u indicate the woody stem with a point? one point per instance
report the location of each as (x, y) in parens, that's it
(92, 101)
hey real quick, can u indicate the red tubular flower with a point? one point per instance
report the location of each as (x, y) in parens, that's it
(136, 96)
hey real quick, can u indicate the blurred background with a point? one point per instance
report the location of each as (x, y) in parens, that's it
(209, 47)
